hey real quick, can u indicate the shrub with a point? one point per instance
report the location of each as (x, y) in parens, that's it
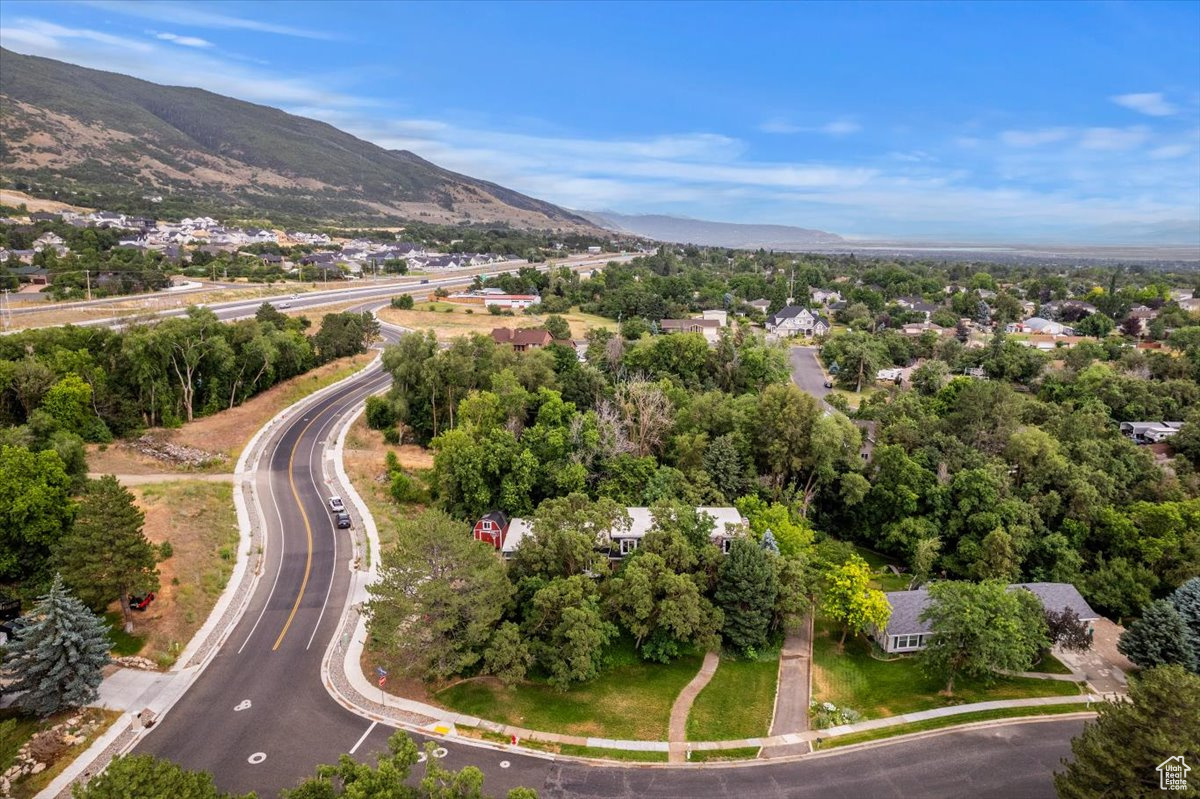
(381, 414)
(404, 302)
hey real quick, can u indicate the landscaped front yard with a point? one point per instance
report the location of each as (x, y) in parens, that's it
(631, 700)
(876, 689)
(737, 703)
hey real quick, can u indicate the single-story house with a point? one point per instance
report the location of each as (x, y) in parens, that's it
(506, 534)
(1038, 324)
(906, 632)
(34, 275)
(1150, 432)
(1190, 304)
(919, 328)
(717, 314)
(795, 319)
(760, 305)
(709, 328)
(521, 339)
(490, 297)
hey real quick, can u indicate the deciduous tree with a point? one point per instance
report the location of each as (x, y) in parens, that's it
(149, 777)
(847, 597)
(979, 629)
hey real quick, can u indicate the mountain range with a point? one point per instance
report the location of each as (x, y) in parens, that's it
(112, 139)
(716, 234)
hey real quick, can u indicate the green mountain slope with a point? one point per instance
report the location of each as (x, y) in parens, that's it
(69, 128)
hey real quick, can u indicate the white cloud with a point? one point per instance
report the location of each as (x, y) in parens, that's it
(838, 127)
(185, 41)
(1149, 103)
(179, 13)
(1172, 151)
(841, 127)
(1033, 138)
(1113, 138)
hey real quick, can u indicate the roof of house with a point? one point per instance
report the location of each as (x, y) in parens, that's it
(688, 325)
(907, 606)
(522, 337)
(1143, 427)
(760, 303)
(641, 521)
(496, 516)
(791, 312)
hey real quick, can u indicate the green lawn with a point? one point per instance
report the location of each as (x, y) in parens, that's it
(1050, 665)
(737, 703)
(949, 721)
(123, 644)
(716, 755)
(629, 755)
(877, 689)
(631, 700)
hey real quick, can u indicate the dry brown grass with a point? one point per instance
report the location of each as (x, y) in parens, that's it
(199, 520)
(365, 460)
(16, 198)
(449, 320)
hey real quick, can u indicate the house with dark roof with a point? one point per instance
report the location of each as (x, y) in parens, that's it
(797, 320)
(907, 632)
(521, 339)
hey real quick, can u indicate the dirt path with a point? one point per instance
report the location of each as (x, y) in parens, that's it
(167, 477)
(683, 706)
(792, 695)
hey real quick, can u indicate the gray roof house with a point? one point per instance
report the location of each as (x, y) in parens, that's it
(1150, 432)
(795, 319)
(906, 632)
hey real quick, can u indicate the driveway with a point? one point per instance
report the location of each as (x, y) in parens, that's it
(1102, 666)
(792, 697)
(807, 372)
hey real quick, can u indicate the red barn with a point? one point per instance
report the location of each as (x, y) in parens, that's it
(492, 528)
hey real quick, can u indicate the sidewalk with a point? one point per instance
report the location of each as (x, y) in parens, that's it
(677, 728)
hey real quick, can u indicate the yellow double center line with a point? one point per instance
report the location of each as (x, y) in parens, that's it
(307, 530)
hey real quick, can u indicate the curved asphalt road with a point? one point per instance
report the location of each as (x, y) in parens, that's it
(260, 719)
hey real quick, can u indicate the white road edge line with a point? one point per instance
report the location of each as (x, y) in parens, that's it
(354, 748)
(266, 535)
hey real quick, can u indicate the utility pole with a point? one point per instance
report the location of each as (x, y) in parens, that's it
(5, 312)
(87, 276)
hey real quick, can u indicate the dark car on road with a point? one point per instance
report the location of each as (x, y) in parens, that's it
(343, 521)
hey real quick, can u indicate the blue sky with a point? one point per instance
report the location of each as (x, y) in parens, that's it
(1040, 122)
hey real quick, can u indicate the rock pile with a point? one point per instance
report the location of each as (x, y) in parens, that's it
(42, 750)
(135, 662)
(157, 447)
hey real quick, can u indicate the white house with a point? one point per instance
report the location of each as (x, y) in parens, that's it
(907, 632)
(625, 536)
(717, 315)
(825, 296)
(795, 320)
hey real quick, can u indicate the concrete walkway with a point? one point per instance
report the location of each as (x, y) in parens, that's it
(793, 691)
(677, 734)
(167, 477)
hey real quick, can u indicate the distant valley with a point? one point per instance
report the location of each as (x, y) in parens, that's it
(714, 234)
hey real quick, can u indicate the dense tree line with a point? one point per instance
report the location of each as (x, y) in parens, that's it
(63, 387)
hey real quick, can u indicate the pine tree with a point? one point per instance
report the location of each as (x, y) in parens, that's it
(1186, 600)
(1159, 638)
(746, 592)
(1115, 756)
(55, 661)
(106, 556)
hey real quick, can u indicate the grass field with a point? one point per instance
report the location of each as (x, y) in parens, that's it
(877, 689)
(199, 520)
(1050, 665)
(448, 320)
(736, 703)
(948, 721)
(365, 460)
(631, 700)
